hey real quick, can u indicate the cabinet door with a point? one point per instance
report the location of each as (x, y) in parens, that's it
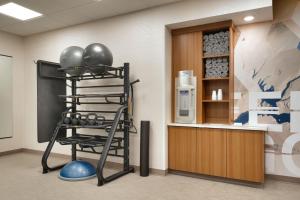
(182, 148)
(211, 152)
(245, 155)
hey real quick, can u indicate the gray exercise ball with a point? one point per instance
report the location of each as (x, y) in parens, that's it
(71, 59)
(96, 55)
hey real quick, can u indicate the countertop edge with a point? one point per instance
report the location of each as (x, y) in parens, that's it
(222, 126)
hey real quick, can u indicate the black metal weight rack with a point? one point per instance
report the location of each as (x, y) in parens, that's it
(106, 145)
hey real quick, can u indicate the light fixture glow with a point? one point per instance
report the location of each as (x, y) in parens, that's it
(249, 18)
(14, 10)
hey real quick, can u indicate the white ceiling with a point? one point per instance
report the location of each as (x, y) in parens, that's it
(63, 13)
(261, 15)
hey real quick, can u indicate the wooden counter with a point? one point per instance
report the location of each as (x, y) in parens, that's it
(223, 126)
(235, 152)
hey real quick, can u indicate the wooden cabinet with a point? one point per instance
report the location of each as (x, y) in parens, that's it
(235, 154)
(245, 155)
(182, 148)
(211, 152)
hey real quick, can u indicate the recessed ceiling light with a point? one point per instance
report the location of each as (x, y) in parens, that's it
(14, 10)
(249, 18)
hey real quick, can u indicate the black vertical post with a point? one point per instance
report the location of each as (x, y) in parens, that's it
(73, 111)
(126, 117)
(144, 148)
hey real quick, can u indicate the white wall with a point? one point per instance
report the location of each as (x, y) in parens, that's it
(139, 38)
(13, 46)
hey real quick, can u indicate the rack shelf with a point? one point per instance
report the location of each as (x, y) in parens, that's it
(87, 141)
(103, 126)
(110, 73)
(94, 103)
(93, 95)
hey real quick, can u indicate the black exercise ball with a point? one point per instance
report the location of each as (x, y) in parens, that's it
(71, 59)
(96, 55)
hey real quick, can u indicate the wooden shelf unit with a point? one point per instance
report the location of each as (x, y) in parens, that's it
(187, 54)
(223, 111)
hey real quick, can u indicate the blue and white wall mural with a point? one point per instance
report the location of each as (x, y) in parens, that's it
(267, 88)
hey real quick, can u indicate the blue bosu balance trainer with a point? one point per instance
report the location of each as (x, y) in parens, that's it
(77, 170)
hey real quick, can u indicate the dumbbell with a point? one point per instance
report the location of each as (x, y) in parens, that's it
(67, 120)
(91, 119)
(83, 120)
(100, 120)
(75, 118)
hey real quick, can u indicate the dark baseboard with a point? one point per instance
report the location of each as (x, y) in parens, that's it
(283, 178)
(251, 184)
(109, 164)
(159, 172)
(216, 178)
(4, 153)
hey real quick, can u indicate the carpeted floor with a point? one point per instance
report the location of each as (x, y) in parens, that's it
(21, 179)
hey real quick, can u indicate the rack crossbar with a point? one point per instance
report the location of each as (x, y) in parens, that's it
(93, 95)
(98, 86)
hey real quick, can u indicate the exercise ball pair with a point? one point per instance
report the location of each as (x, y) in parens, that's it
(95, 56)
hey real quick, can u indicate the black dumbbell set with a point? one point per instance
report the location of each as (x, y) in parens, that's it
(77, 119)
